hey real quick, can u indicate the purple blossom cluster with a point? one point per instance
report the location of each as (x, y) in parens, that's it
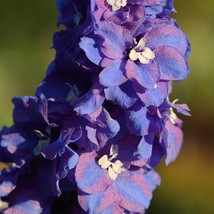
(101, 120)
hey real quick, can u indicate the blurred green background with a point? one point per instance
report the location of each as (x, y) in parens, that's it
(188, 183)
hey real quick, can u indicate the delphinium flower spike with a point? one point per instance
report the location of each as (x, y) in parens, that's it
(101, 120)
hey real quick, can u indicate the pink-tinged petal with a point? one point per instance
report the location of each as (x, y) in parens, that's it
(116, 38)
(171, 63)
(91, 101)
(130, 16)
(102, 4)
(12, 142)
(109, 202)
(139, 163)
(93, 116)
(135, 189)
(82, 199)
(27, 207)
(155, 96)
(97, 13)
(102, 203)
(89, 203)
(112, 75)
(91, 135)
(173, 140)
(106, 62)
(145, 75)
(90, 177)
(6, 187)
(167, 35)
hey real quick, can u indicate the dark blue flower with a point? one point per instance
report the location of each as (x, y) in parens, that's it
(72, 12)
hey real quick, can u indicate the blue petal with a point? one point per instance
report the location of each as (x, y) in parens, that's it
(144, 148)
(146, 76)
(137, 120)
(110, 129)
(91, 101)
(155, 96)
(167, 35)
(90, 177)
(173, 139)
(135, 189)
(50, 151)
(112, 75)
(171, 63)
(27, 207)
(66, 162)
(122, 95)
(102, 203)
(71, 133)
(117, 38)
(91, 51)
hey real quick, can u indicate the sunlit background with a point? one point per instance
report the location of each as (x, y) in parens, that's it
(26, 29)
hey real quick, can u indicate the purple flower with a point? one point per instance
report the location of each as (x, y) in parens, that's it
(129, 13)
(159, 8)
(107, 187)
(30, 125)
(52, 128)
(34, 187)
(161, 133)
(70, 58)
(158, 55)
(172, 136)
(18, 193)
(33, 134)
(101, 119)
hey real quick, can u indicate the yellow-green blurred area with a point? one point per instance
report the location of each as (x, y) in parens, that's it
(26, 29)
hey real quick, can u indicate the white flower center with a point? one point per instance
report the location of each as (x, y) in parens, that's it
(114, 167)
(141, 52)
(117, 4)
(172, 115)
(3, 205)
